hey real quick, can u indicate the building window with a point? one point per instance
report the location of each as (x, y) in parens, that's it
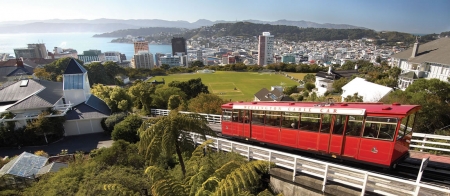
(73, 82)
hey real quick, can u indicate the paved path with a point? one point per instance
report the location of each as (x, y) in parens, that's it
(84, 143)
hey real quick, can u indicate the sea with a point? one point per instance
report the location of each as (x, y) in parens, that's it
(77, 41)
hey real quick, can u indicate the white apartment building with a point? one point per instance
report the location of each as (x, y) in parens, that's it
(429, 60)
(170, 60)
(143, 59)
(112, 56)
(265, 49)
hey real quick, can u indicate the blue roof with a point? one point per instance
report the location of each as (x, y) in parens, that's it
(26, 165)
(74, 67)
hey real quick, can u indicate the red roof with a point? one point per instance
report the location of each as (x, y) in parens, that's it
(370, 108)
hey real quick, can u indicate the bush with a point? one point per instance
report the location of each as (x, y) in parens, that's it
(112, 120)
(127, 129)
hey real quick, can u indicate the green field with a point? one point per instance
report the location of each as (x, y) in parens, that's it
(237, 86)
(299, 76)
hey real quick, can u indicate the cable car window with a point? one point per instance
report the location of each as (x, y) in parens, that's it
(406, 126)
(354, 126)
(235, 116)
(244, 116)
(273, 118)
(326, 123)
(339, 122)
(226, 115)
(257, 117)
(310, 122)
(380, 128)
(290, 120)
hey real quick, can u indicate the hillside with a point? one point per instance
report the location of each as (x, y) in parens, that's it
(108, 25)
(289, 33)
(142, 32)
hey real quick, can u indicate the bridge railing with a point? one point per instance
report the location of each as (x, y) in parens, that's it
(328, 172)
(439, 143)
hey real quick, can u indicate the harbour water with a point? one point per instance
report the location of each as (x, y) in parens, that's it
(77, 41)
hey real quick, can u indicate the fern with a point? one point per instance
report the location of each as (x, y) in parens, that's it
(117, 188)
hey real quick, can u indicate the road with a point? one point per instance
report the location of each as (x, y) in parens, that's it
(84, 143)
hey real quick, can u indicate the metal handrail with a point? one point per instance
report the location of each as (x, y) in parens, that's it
(357, 178)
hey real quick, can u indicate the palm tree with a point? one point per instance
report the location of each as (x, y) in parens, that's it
(168, 134)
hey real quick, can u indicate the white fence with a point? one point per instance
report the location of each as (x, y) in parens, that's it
(424, 144)
(328, 172)
(421, 143)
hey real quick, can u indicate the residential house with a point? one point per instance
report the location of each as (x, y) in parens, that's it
(429, 60)
(274, 95)
(15, 69)
(324, 80)
(72, 98)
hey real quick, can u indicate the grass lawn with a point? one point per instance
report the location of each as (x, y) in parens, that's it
(297, 75)
(237, 86)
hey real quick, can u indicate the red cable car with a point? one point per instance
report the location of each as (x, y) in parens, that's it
(372, 133)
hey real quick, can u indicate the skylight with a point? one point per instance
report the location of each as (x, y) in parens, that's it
(24, 83)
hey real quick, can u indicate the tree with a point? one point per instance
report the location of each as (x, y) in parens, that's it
(169, 134)
(354, 98)
(191, 88)
(378, 59)
(309, 86)
(434, 96)
(160, 98)
(56, 68)
(117, 99)
(176, 102)
(141, 95)
(47, 126)
(338, 84)
(127, 129)
(197, 64)
(309, 78)
(112, 120)
(206, 103)
(165, 66)
(291, 89)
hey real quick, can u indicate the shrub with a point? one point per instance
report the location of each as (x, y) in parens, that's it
(127, 129)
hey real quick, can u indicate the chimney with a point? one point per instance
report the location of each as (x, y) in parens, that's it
(415, 48)
(329, 70)
(356, 66)
(19, 62)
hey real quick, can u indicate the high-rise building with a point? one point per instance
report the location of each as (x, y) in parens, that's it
(179, 45)
(141, 45)
(170, 60)
(32, 51)
(265, 49)
(157, 58)
(199, 55)
(143, 59)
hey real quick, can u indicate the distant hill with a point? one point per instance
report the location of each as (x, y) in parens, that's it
(108, 25)
(289, 33)
(142, 32)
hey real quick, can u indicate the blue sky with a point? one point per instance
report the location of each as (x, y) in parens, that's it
(412, 16)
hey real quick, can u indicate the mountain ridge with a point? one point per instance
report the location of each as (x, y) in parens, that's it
(107, 25)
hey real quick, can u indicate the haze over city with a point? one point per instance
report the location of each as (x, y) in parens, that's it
(411, 16)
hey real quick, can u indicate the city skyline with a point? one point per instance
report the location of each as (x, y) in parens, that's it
(411, 16)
